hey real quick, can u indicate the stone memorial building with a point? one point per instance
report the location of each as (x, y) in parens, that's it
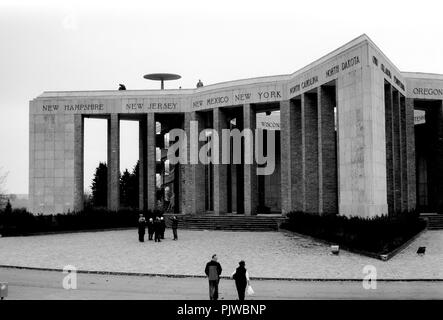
(355, 136)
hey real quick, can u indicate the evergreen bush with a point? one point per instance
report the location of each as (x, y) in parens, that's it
(378, 235)
(20, 222)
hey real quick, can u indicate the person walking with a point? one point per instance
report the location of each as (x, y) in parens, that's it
(141, 228)
(213, 271)
(150, 228)
(157, 229)
(241, 277)
(162, 227)
(174, 225)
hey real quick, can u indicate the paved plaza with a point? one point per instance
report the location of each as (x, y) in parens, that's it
(47, 285)
(267, 255)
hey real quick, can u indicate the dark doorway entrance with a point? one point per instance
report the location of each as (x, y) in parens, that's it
(269, 186)
(169, 181)
(428, 119)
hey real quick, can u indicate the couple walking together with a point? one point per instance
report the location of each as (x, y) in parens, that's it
(213, 270)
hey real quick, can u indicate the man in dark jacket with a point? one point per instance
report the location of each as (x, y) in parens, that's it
(157, 229)
(150, 228)
(213, 270)
(174, 225)
(141, 228)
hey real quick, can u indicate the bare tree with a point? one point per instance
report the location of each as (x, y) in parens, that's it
(3, 197)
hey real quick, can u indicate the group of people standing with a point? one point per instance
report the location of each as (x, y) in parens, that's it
(213, 271)
(156, 228)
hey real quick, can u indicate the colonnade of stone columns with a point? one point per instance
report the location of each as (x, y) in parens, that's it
(400, 155)
(309, 160)
(147, 162)
(194, 196)
(228, 178)
(309, 157)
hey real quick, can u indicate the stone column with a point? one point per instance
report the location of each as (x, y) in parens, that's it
(199, 176)
(32, 162)
(327, 151)
(188, 190)
(292, 187)
(220, 170)
(237, 172)
(78, 161)
(287, 130)
(150, 161)
(250, 170)
(114, 162)
(403, 155)
(438, 158)
(298, 193)
(183, 186)
(193, 200)
(410, 154)
(310, 151)
(397, 152)
(389, 132)
(142, 149)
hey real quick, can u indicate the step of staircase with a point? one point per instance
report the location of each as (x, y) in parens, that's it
(228, 222)
(435, 220)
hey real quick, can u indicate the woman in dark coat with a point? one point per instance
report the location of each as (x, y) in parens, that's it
(241, 277)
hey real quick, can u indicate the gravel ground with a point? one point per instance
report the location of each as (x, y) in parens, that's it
(267, 254)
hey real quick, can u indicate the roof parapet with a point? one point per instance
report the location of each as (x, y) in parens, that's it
(221, 85)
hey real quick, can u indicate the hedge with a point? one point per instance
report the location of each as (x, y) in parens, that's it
(20, 222)
(378, 235)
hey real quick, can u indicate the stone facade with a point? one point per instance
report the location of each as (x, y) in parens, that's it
(346, 140)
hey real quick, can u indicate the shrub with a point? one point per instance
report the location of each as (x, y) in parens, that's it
(21, 222)
(378, 235)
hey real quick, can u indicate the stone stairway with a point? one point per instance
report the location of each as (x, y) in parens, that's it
(228, 222)
(435, 221)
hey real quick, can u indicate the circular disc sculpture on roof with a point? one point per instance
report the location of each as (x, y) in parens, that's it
(162, 77)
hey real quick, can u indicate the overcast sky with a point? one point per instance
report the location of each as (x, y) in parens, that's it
(89, 45)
